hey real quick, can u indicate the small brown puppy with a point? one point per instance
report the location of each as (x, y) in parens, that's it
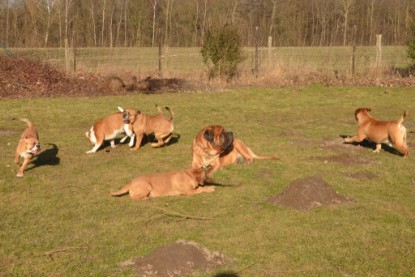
(380, 131)
(172, 183)
(159, 125)
(236, 152)
(109, 127)
(27, 147)
(207, 146)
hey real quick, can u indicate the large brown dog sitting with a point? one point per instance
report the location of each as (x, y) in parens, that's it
(27, 147)
(159, 125)
(174, 183)
(208, 144)
(380, 131)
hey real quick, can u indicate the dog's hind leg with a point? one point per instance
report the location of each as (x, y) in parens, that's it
(140, 191)
(93, 150)
(401, 147)
(159, 142)
(378, 147)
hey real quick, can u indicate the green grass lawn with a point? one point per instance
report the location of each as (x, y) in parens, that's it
(59, 219)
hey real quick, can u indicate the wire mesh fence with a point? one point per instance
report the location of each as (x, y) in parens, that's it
(147, 60)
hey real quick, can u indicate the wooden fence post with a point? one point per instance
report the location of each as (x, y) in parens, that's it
(67, 56)
(269, 50)
(256, 52)
(160, 53)
(379, 54)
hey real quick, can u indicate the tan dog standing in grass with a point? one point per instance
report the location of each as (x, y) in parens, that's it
(159, 125)
(27, 147)
(109, 127)
(174, 183)
(380, 131)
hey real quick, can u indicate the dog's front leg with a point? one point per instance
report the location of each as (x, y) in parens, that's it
(132, 137)
(25, 163)
(139, 138)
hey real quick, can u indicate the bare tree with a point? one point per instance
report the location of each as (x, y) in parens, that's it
(154, 5)
(346, 7)
(104, 6)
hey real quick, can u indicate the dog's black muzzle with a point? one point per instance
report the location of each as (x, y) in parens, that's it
(126, 118)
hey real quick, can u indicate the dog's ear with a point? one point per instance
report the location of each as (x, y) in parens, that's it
(208, 135)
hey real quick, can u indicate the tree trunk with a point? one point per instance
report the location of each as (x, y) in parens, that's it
(154, 4)
(103, 23)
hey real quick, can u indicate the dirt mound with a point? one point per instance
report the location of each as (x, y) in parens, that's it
(308, 193)
(24, 78)
(177, 259)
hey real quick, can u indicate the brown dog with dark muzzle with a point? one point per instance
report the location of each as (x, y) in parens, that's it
(27, 147)
(174, 183)
(380, 131)
(207, 146)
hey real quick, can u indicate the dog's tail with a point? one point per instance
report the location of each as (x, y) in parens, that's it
(168, 109)
(27, 121)
(122, 191)
(171, 112)
(400, 120)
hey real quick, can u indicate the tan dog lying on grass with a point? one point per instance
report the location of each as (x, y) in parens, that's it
(159, 125)
(174, 183)
(27, 147)
(380, 131)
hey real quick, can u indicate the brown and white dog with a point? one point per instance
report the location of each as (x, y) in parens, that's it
(27, 147)
(109, 127)
(159, 125)
(174, 183)
(380, 131)
(208, 145)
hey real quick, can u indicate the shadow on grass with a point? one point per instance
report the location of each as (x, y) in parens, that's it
(371, 145)
(46, 157)
(150, 139)
(227, 274)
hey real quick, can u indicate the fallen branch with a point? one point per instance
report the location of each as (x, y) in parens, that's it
(170, 213)
(64, 249)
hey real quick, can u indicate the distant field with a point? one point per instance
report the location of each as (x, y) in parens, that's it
(59, 219)
(185, 60)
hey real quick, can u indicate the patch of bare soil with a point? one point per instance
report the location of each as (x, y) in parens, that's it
(181, 258)
(24, 78)
(308, 193)
(362, 175)
(344, 159)
(338, 144)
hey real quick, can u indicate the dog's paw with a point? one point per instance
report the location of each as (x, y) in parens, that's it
(210, 188)
(19, 175)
